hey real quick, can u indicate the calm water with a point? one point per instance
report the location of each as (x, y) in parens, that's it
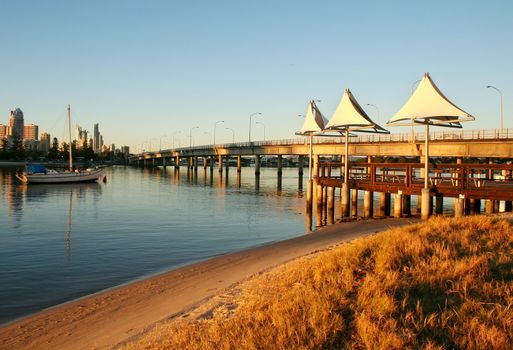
(60, 242)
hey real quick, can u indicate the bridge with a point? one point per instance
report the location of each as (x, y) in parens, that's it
(479, 169)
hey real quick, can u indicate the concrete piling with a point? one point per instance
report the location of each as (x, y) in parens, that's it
(331, 204)
(459, 207)
(398, 205)
(368, 204)
(344, 200)
(425, 210)
(354, 202)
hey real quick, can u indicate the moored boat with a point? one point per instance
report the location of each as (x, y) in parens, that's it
(39, 174)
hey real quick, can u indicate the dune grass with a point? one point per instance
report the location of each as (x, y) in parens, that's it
(441, 284)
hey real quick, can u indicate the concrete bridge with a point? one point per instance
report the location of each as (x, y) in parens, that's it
(479, 171)
(465, 143)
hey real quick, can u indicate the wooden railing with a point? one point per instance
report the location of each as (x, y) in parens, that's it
(493, 181)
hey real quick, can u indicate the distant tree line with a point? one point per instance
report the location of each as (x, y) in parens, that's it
(13, 149)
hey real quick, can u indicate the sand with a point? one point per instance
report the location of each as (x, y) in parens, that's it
(110, 318)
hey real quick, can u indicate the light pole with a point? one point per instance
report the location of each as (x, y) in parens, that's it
(263, 126)
(215, 125)
(176, 132)
(233, 134)
(377, 109)
(190, 134)
(160, 142)
(250, 121)
(500, 93)
(150, 143)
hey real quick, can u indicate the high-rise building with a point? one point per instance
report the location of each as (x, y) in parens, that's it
(96, 138)
(16, 124)
(100, 148)
(45, 143)
(30, 132)
(125, 150)
(3, 131)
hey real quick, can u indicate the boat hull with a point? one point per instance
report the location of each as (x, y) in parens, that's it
(84, 176)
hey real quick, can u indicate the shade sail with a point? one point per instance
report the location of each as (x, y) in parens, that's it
(350, 116)
(427, 105)
(314, 121)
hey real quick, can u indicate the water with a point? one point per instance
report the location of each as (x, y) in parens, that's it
(61, 242)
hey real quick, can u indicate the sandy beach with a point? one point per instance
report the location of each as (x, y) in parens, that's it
(110, 318)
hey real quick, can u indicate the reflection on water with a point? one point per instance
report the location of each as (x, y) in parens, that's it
(59, 242)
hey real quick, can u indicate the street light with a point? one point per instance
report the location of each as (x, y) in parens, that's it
(233, 134)
(150, 142)
(263, 126)
(215, 125)
(250, 118)
(379, 117)
(500, 93)
(176, 132)
(160, 142)
(190, 134)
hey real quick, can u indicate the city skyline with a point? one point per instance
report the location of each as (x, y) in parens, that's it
(147, 71)
(29, 133)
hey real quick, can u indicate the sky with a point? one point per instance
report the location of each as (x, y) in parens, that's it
(149, 71)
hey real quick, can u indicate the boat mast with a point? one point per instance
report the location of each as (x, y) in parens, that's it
(69, 147)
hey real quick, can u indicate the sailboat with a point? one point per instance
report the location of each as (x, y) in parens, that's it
(40, 174)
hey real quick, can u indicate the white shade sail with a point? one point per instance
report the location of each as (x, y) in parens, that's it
(350, 116)
(427, 105)
(314, 120)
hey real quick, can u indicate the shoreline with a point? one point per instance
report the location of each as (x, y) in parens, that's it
(111, 317)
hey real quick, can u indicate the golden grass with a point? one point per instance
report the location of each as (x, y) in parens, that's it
(445, 283)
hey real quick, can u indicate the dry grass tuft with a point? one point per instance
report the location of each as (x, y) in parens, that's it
(445, 283)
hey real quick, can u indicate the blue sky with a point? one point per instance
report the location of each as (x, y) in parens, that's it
(145, 69)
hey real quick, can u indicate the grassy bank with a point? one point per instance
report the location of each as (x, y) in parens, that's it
(446, 283)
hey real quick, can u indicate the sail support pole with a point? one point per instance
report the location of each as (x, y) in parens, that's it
(69, 146)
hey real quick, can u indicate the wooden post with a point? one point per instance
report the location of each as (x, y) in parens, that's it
(407, 205)
(439, 204)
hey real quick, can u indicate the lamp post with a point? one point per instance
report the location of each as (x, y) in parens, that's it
(160, 142)
(150, 143)
(233, 134)
(215, 125)
(500, 93)
(250, 122)
(176, 132)
(190, 134)
(263, 126)
(377, 109)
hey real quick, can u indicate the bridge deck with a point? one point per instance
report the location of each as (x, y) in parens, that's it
(482, 181)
